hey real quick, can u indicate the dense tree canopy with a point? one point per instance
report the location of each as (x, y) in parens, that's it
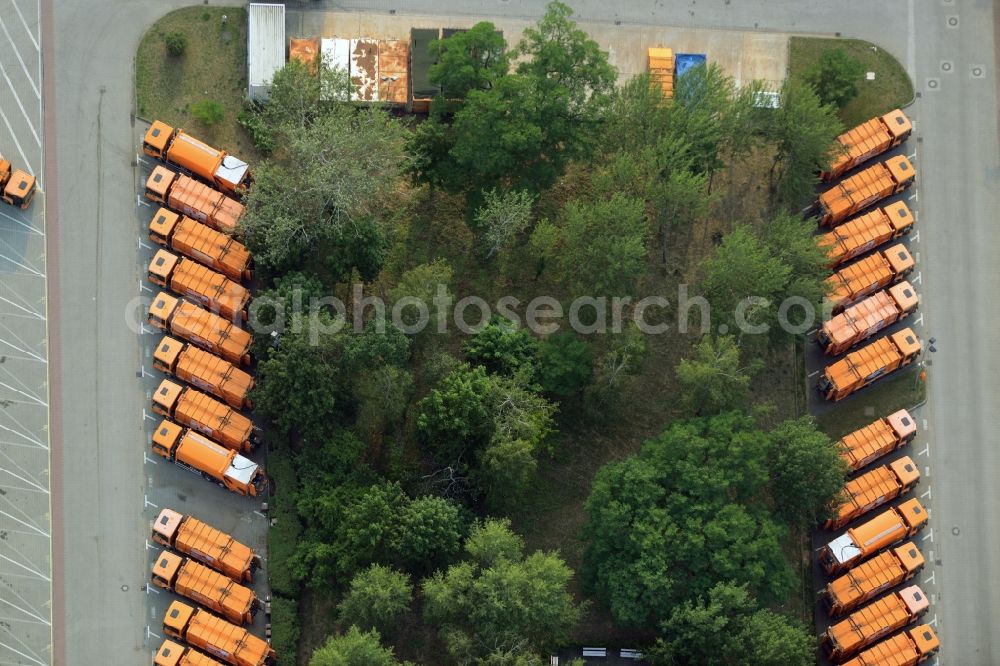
(689, 511)
(499, 603)
(377, 596)
(355, 648)
(714, 378)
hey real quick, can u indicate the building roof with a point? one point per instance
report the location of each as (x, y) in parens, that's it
(265, 46)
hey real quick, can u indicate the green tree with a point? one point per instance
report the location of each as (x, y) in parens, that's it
(378, 595)
(430, 533)
(598, 248)
(314, 205)
(714, 380)
(471, 60)
(743, 277)
(565, 365)
(354, 648)
(502, 218)
(207, 111)
(801, 130)
(621, 358)
(502, 348)
(176, 43)
(689, 511)
(792, 241)
(492, 541)
(501, 603)
(725, 629)
(456, 414)
(835, 76)
(427, 283)
(807, 473)
(299, 387)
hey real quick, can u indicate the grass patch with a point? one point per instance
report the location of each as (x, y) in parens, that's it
(891, 88)
(881, 399)
(213, 67)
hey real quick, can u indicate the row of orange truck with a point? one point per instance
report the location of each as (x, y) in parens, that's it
(873, 558)
(204, 353)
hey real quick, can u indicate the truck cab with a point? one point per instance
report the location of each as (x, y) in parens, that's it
(161, 227)
(160, 310)
(18, 185)
(161, 268)
(157, 140)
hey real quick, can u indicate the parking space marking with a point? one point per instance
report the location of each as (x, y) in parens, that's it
(17, 98)
(916, 234)
(927, 493)
(26, 226)
(148, 416)
(148, 503)
(929, 535)
(814, 373)
(919, 321)
(926, 450)
(916, 278)
(17, 54)
(25, 24)
(924, 423)
(914, 197)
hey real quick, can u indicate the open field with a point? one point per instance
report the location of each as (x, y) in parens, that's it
(213, 67)
(891, 88)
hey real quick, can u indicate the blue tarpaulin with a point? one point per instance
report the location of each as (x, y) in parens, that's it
(685, 61)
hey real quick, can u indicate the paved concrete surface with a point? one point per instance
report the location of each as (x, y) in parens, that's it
(104, 515)
(743, 55)
(25, 525)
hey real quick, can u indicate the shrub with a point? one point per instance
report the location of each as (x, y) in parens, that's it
(285, 630)
(176, 43)
(207, 111)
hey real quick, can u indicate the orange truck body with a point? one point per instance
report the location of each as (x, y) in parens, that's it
(867, 317)
(866, 232)
(200, 327)
(196, 200)
(661, 70)
(17, 186)
(870, 138)
(869, 364)
(204, 371)
(907, 648)
(863, 278)
(222, 170)
(210, 546)
(873, 489)
(200, 242)
(861, 542)
(870, 579)
(173, 654)
(873, 622)
(223, 640)
(204, 414)
(854, 194)
(209, 459)
(213, 291)
(866, 445)
(209, 588)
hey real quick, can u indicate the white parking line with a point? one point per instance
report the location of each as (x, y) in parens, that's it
(929, 535)
(927, 449)
(148, 503)
(148, 416)
(933, 622)
(912, 156)
(25, 24)
(814, 373)
(26, 226)
(919, 321)
(146, 458)
(139, 201)
(916, 234)
(927, 493)
(150, 633)
(260, 514)
(930, 578)
(916, 278)
(913, 197)
(17, 144)
(925, 423)
(17, 54)
(916, 257)
(927, 470)
(31, 126)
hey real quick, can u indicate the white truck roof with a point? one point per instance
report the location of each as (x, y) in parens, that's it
(265, 47)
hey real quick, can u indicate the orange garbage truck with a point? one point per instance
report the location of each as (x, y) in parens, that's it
(866, 445)
(200, 327)
(217, 167)
(173, 654)
(209, 588)
(196, 200)
(213, 291)
(870, 138)
(866, 276)
(204, 414)
(870, 579)
(867, 317)
(204, 371)
(17, 186)
(869, 364)
(854, 194)
(212, 547)
(214, 462)
(198, 241)
(200, 629)
(873, 622)
(907, 648)
(873, 489)
(866, 232)
(861, 542)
